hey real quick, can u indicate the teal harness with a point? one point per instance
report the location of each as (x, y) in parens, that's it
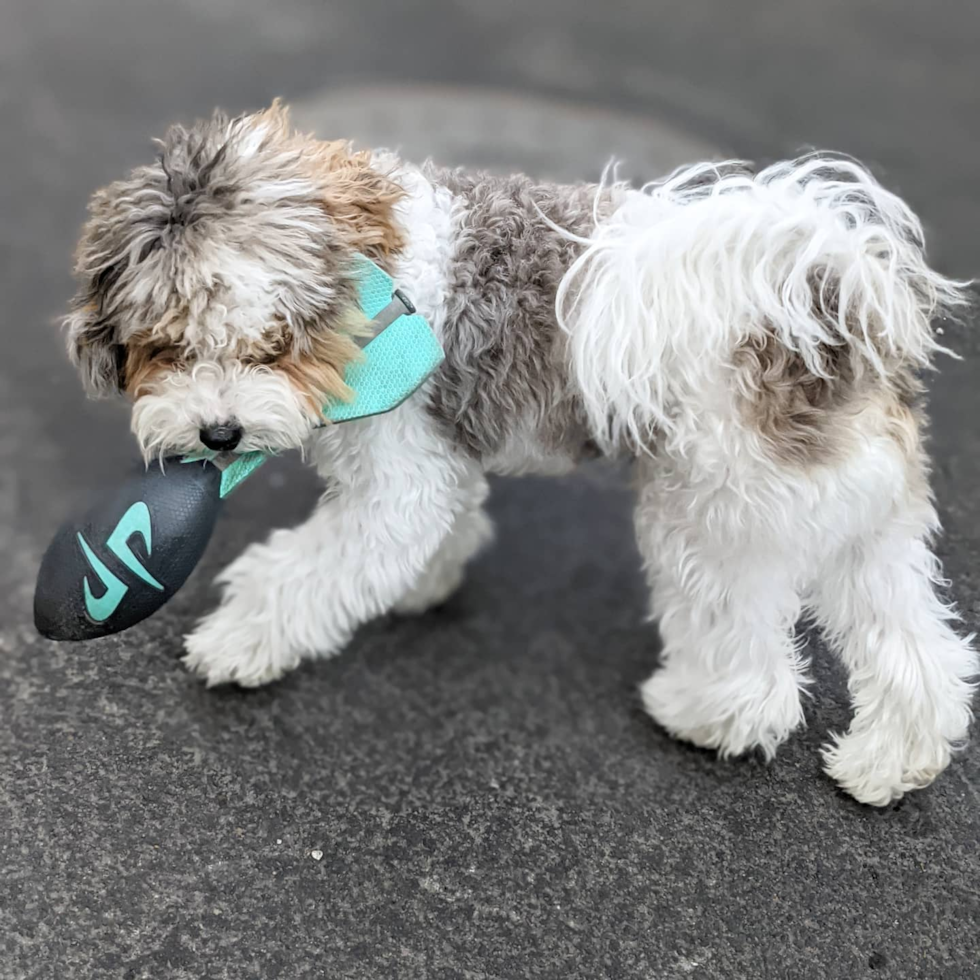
(396, 360)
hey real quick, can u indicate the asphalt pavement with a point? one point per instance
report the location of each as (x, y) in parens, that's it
(475, 793)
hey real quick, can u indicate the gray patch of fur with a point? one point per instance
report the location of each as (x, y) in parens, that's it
(506, 366)
(155, 243)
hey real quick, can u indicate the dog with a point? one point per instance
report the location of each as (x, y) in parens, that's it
(750, 340)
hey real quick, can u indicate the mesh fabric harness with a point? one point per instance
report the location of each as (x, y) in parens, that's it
(394, 364)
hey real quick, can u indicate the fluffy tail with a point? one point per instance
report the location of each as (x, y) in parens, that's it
(814, 250)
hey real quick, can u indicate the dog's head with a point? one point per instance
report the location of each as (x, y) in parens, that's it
(216, 287)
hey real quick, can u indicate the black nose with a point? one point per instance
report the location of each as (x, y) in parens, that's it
(221, 437)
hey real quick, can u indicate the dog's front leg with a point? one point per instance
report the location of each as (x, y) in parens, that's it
(397, 490)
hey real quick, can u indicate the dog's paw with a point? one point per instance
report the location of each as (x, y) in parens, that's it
(228, 647)
(879, 764)
(715, 716)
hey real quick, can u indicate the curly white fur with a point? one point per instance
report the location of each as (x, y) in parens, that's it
(686, 268)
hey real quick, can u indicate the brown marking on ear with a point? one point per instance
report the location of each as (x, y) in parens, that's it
(145, 362)
(274, 120)
(316, 363)
(360, 199)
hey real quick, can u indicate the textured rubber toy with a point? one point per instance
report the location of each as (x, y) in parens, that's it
(128, 554)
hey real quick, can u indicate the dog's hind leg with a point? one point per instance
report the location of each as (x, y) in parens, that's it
(909, 671)
(731, 674)
(760, 334)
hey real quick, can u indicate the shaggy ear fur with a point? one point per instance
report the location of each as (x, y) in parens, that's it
(93, 335)
(92, 348)
(360, 200)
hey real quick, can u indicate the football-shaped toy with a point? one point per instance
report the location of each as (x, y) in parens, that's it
(133, 549)
(129, 553)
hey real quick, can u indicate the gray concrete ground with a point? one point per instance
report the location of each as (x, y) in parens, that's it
(488, 799)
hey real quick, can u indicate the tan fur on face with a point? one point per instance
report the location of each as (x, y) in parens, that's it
(145, 364)
(315, 367)
(318, 373)
(360, 199)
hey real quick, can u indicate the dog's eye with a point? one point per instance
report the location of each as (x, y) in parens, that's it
(272, 347)
(159, 352)
(267, 356)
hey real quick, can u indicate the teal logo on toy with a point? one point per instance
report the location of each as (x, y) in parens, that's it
(136, 520)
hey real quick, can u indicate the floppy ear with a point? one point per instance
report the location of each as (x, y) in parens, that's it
(360, 199)
(93, 350)
(91, 335)
(91, 327)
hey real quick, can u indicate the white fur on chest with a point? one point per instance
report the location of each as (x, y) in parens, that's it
(424, 266)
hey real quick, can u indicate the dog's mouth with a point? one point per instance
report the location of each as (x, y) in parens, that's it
(165, 430)
(269, 444)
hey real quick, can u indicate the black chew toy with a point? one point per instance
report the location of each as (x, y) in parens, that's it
(129, 553)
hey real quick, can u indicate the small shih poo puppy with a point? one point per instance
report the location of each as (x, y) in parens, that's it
(751, 340)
